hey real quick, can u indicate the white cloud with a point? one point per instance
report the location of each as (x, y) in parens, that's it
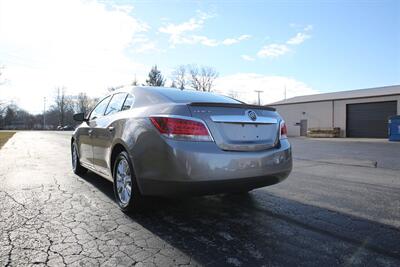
(194, 23)
(142, 44)
(147, 47)
(247, 57)
(231, 41)
(204, 40)
(195, 39)
(242, 86)
(77, 44)
(124, 8)
(182, 33)
(273, 50)
(308, 28)
(298, 38)
(276, 50)
(177, 32)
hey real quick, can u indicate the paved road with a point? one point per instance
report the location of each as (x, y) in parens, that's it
(354, 151)
(323, 214)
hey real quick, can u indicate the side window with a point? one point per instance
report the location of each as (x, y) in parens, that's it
(130, 99)
(115, 103)
(98, 111)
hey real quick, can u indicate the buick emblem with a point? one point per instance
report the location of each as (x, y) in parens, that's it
(252, 115)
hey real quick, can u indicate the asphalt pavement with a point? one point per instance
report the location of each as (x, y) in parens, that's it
(328, 212)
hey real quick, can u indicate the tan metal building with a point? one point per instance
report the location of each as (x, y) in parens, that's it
(358, 113)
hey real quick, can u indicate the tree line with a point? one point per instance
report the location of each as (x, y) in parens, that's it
(185, 76)
(60, 112)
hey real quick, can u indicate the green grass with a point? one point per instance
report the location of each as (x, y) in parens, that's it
(4, 136)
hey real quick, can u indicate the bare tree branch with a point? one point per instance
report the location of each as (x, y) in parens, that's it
(202, 79)
(179, 77)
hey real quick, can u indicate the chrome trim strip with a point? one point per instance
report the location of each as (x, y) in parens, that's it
(186, 118)
(243, 119)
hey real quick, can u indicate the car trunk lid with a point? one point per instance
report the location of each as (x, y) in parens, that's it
(239, 127)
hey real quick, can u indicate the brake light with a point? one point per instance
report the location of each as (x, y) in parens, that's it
(283, 132)
(179, 128)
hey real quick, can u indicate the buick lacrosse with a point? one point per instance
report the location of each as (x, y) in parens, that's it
(155, 141)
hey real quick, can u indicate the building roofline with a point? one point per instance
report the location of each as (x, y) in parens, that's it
(288, 102)
(330, 100)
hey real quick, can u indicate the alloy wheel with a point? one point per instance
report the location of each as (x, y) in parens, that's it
(124, 182)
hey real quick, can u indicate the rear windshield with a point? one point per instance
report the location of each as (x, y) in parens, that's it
(188, 96)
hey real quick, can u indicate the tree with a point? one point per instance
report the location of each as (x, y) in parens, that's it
(179, 77)
(10, 116)
(3, 103)
(114, 88)
(155, 77)
(202, 79)
(173, 85)
(63, 106)
(17, 118)
(60, 105)
(83, 103)
(135, 82)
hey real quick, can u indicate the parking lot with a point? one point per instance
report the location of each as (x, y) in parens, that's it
(340, 206)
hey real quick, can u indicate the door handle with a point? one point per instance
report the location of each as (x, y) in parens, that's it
(90, 132)
(111, 129)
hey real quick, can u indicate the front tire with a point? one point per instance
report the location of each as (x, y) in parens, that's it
(126, 190)
(76, 165)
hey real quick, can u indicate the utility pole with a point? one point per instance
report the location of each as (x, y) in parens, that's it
(258, 94)
(44, 113)
(285, 91)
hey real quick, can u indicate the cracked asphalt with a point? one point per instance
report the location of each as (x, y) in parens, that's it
(323, 214)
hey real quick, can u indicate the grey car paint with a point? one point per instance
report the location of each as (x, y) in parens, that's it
(242, 156)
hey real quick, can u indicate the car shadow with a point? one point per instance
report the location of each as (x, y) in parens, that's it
(261, 228)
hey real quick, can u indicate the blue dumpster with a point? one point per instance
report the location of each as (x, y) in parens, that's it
(394, 128)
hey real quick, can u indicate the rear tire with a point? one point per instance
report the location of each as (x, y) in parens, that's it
(126, 190)
(76, 165)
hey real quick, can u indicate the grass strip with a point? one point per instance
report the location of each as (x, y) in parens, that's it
(4, 136)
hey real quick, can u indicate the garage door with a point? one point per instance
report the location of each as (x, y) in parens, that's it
(369, 119)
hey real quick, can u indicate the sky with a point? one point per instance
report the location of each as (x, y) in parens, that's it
(298, 47)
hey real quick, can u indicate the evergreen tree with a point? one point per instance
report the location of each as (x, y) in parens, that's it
(155, 77)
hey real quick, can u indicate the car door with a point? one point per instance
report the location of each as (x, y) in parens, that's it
(85, 145)
(103, 134)
(86, 134)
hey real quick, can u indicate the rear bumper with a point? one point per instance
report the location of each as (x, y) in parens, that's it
(170, 167)
(210, 187)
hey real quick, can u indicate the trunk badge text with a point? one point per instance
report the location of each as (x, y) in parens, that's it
(202, 111)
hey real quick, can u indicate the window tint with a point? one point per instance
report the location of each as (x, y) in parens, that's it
(115, 103)
(100, 108)
(128, 102)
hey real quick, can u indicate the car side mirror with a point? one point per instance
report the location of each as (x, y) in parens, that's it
(79, 117)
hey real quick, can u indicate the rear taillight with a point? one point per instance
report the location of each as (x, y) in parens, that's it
(283, 131)
(181, 128)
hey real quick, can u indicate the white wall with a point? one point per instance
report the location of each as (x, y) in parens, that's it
(320, 114)
(317, 114)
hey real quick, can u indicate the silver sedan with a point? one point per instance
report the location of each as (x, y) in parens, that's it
(155, 141)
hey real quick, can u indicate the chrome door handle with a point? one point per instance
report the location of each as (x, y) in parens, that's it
(90, 132)
(111, 129)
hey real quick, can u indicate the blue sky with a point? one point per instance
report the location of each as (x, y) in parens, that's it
(305, 46)
(353, 44)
